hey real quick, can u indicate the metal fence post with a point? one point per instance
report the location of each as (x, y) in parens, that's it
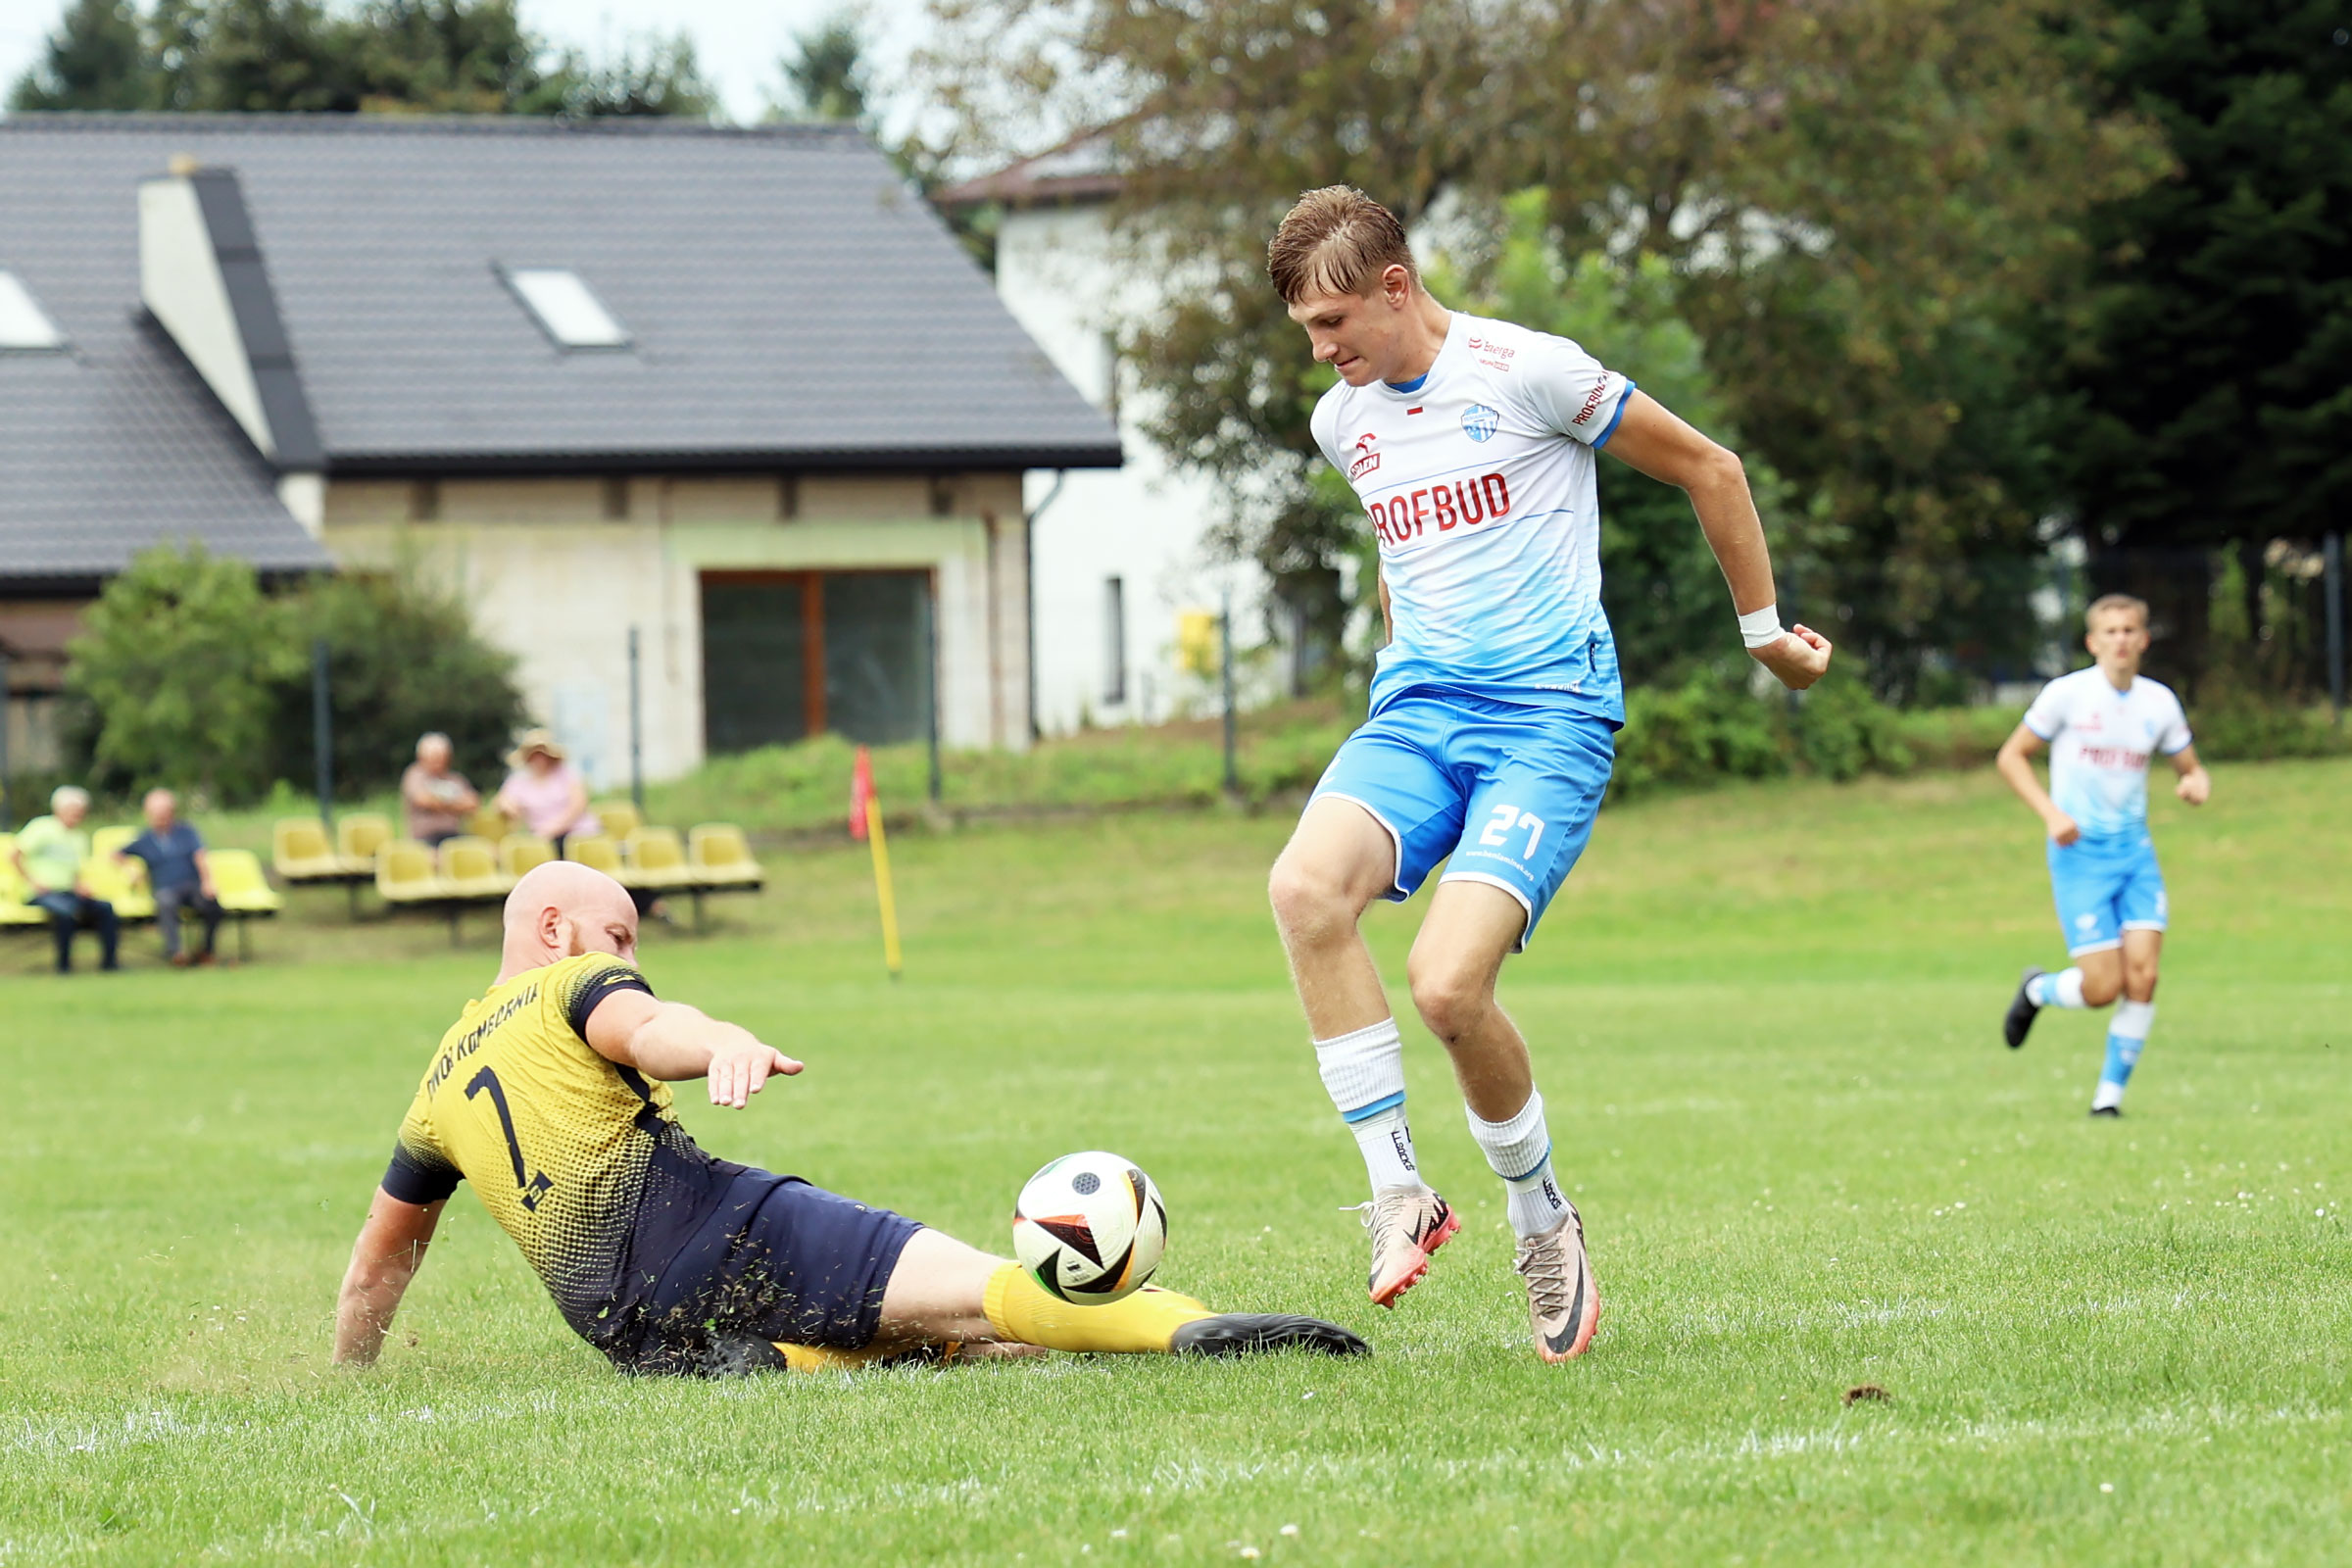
(636, 727)
(323, 736)
(1233, 774)
(2335, 627)
(938, 783)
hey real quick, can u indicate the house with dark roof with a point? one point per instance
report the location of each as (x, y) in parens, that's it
(739, 392)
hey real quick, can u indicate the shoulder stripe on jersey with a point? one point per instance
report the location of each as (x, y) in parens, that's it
(591, 994)
(1623, 398)
(416, 1180)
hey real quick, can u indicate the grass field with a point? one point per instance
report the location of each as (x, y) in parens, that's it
(1765, 1019)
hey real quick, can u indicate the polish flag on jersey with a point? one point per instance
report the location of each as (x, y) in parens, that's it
(1477, 480)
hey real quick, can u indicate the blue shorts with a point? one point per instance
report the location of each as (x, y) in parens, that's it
(779, 1260)
(1503, 791)
(2105, 887)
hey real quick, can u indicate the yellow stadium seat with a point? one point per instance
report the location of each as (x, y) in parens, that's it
(245, 894)
(121, 883)
(107, 842)
(596, 852)
(720, 858)
(618, 819)
(405, 875)
(300, 852)
(469, 870)
(360, 835)
(487, 822)
(16, 894)
(657, 858)
(518, 853)
(239, 882)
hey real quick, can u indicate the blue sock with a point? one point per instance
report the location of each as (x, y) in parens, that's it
(2127, 1036)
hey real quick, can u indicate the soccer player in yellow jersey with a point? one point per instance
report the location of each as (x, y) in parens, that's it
(550, 1094)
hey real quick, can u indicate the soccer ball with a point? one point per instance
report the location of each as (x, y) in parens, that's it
(1090, 1228)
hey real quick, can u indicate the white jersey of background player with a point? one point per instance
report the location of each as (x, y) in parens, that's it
(2103, 726)
(1490, 739)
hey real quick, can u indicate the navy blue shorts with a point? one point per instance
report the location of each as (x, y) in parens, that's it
(781, 1259)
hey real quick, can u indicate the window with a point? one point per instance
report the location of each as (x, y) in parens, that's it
(1114, 641)
(565, 307)
(23, 328)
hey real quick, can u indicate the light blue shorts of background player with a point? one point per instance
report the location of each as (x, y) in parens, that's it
(2105, 887)
(1508, 791)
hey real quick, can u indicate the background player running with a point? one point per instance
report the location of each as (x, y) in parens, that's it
(1489, 741)
(552, 1094)
(2101, 725)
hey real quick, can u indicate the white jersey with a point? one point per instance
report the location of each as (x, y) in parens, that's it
(2100, 741)
(1479, 482)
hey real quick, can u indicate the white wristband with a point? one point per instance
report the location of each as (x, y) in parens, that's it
(1760, 626)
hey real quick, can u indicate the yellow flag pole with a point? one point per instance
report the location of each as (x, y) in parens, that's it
(891, 955)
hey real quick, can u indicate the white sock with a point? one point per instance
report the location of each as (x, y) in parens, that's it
(1519, 1151)
(2061, 990)
(1363, 1072)
(1385, 1141)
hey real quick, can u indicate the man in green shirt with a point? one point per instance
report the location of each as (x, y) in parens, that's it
(49, 854)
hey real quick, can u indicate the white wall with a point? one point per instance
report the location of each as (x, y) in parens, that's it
(551, 578)
(1066, 278)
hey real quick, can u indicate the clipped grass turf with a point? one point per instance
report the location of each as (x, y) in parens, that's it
(1766, 1022)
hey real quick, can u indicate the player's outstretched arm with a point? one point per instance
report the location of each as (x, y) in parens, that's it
(385, 1257)
(673, 1041)
(2195, 785)
(1654, 441)
(2015, 764)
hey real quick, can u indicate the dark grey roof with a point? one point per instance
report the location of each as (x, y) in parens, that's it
(118, 445)
(792, 302)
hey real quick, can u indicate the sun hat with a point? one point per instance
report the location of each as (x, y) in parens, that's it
(534, 740)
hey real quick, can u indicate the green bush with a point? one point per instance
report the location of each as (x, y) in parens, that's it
(1714, 727)
(403, 658)
(178, 659)
(194, 678)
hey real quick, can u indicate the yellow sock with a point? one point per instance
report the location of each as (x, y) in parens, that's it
(824, 1358)
(1144, 1323)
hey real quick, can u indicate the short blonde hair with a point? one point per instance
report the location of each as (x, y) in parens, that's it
(1336, 240)
(2138, 606)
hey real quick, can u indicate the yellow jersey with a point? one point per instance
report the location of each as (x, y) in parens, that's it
(579, 1160)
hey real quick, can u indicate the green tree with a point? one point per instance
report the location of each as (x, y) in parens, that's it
(433, 55)
(179, 658)
(403, 658)
(1862, 207)
(825, 74)
(2215, 397)
(96, 59)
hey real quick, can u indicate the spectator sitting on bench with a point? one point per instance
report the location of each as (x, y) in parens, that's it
(49, 852)
(437, 798)
(545, 793)
(179, 873)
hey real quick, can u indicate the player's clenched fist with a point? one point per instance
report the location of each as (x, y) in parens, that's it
(741, 1070)
(1798, 657)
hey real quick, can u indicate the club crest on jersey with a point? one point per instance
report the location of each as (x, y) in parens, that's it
(1480, 421)
(1365, 458)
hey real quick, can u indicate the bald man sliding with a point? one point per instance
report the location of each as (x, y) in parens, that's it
(550, 1092)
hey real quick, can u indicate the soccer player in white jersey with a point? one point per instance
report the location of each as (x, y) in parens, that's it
(2103, 724)
(1494, 710)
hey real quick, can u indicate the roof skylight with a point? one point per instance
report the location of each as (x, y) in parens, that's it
(24, 328)
(566, 309)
